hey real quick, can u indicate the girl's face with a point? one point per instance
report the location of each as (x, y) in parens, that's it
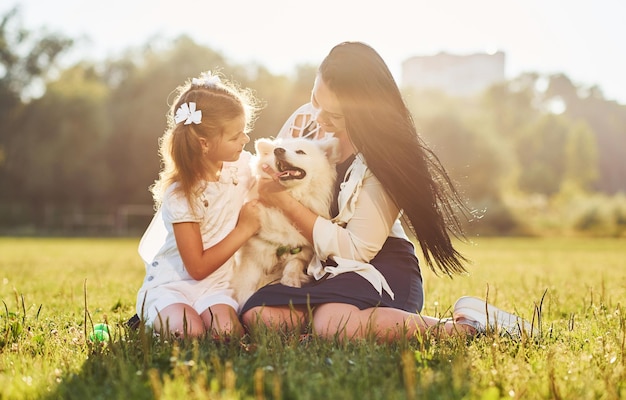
(329, 113)
(230, 145)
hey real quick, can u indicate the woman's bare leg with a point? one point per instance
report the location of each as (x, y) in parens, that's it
(277, 318)
(384, 323)
(222, 319)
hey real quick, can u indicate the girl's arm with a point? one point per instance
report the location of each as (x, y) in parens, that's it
(201, 263)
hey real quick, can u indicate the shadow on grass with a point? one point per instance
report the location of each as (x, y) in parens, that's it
(134, 364)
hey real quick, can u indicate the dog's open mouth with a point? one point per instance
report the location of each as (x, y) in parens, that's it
(287, 171)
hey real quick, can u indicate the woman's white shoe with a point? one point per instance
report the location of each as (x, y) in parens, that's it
(488, 317)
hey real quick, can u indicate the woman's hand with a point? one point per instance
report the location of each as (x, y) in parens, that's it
(271, 192)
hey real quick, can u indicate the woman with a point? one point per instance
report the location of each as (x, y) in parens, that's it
(368, 278)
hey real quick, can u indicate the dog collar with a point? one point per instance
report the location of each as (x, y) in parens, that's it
(281, 250)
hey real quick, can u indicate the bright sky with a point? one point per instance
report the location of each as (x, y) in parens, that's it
(581, 38)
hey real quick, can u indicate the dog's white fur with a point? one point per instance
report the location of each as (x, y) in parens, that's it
(308, 173)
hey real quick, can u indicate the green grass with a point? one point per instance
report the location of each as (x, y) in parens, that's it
(54, 290)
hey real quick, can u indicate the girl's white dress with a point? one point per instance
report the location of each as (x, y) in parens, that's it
(216, 208)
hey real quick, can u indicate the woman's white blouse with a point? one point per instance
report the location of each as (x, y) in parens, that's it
(367, 217)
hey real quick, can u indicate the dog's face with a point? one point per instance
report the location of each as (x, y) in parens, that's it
(298, 161)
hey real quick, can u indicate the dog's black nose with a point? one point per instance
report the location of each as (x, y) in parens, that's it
(279, 151)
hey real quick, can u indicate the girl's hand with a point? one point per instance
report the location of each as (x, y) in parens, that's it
(249, 217)
(271, 192)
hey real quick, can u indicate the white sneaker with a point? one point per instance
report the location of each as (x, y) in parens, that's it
(483, 314)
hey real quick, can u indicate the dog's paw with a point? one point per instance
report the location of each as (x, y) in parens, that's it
(295, 279)
(292, 280)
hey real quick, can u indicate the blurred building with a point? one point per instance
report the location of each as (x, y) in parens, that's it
(457, 75)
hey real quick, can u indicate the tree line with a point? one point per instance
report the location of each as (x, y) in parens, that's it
(85, 146)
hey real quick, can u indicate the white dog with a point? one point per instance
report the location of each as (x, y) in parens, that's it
(278, 252)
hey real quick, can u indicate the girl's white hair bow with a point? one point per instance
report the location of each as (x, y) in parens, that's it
(187, 112)
(206, 79)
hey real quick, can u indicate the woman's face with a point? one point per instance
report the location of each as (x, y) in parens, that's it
(329, 113)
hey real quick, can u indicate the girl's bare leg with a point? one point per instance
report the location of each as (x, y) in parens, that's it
(180, 320)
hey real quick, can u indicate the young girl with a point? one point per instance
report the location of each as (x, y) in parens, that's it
(201, 219)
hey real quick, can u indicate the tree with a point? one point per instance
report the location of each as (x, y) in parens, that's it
(26, 59)
(581, 157)
(281, 96)
(512, 106)
(59, 159)
(541, 155)
(470, 156)
(606, 121)
(137, 108)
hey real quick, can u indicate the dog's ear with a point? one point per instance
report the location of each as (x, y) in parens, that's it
(264, 146)
(330, 146)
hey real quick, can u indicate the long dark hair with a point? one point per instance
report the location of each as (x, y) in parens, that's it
(382, 129)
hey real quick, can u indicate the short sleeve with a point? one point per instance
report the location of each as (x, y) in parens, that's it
(176, 208)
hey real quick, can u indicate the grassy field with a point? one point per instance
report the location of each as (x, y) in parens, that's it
(55, 290)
